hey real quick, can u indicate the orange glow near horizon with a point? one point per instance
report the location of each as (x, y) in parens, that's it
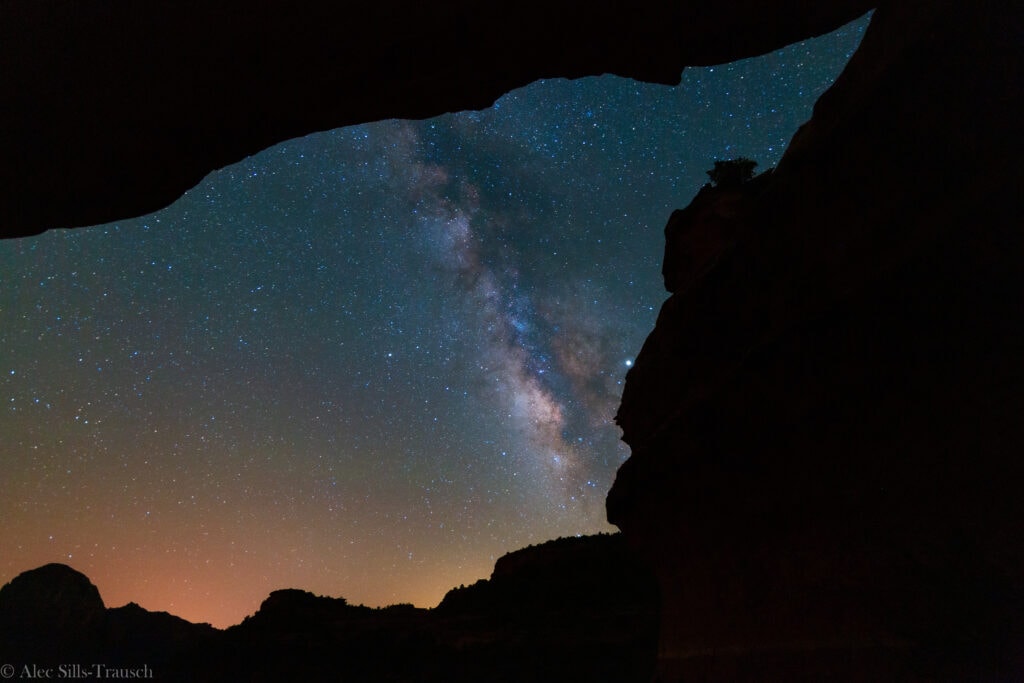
(222, 599)
(201, 575)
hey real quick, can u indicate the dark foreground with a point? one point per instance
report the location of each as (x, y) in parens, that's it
(572, 609)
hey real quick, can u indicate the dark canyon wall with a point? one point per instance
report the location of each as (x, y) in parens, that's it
(825, 424)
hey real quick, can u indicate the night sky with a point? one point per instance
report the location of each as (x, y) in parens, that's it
(368, 362)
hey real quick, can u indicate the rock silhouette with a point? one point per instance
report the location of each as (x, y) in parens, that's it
(545, 614)
(51, 604)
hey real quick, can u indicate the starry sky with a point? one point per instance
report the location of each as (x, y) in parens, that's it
(367, 362)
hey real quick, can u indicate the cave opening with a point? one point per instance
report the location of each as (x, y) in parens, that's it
(368, 361)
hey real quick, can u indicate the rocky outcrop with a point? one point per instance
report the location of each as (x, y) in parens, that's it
(51, 604)
(824, 422)
(294, 608)
(588, 575)
(132, 106)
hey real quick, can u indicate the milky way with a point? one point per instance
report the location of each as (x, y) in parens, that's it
(367, 362)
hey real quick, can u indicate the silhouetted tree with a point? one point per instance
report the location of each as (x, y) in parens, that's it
(732, 172)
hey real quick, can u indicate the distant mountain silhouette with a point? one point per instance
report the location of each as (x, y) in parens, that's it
(571, 609)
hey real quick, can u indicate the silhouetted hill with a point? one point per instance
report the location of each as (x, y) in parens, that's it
(135, 637)
(52, 609)
(54, 617)
(576, 608)
(569, 575)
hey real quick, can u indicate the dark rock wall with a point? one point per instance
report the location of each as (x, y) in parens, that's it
(824, 422)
